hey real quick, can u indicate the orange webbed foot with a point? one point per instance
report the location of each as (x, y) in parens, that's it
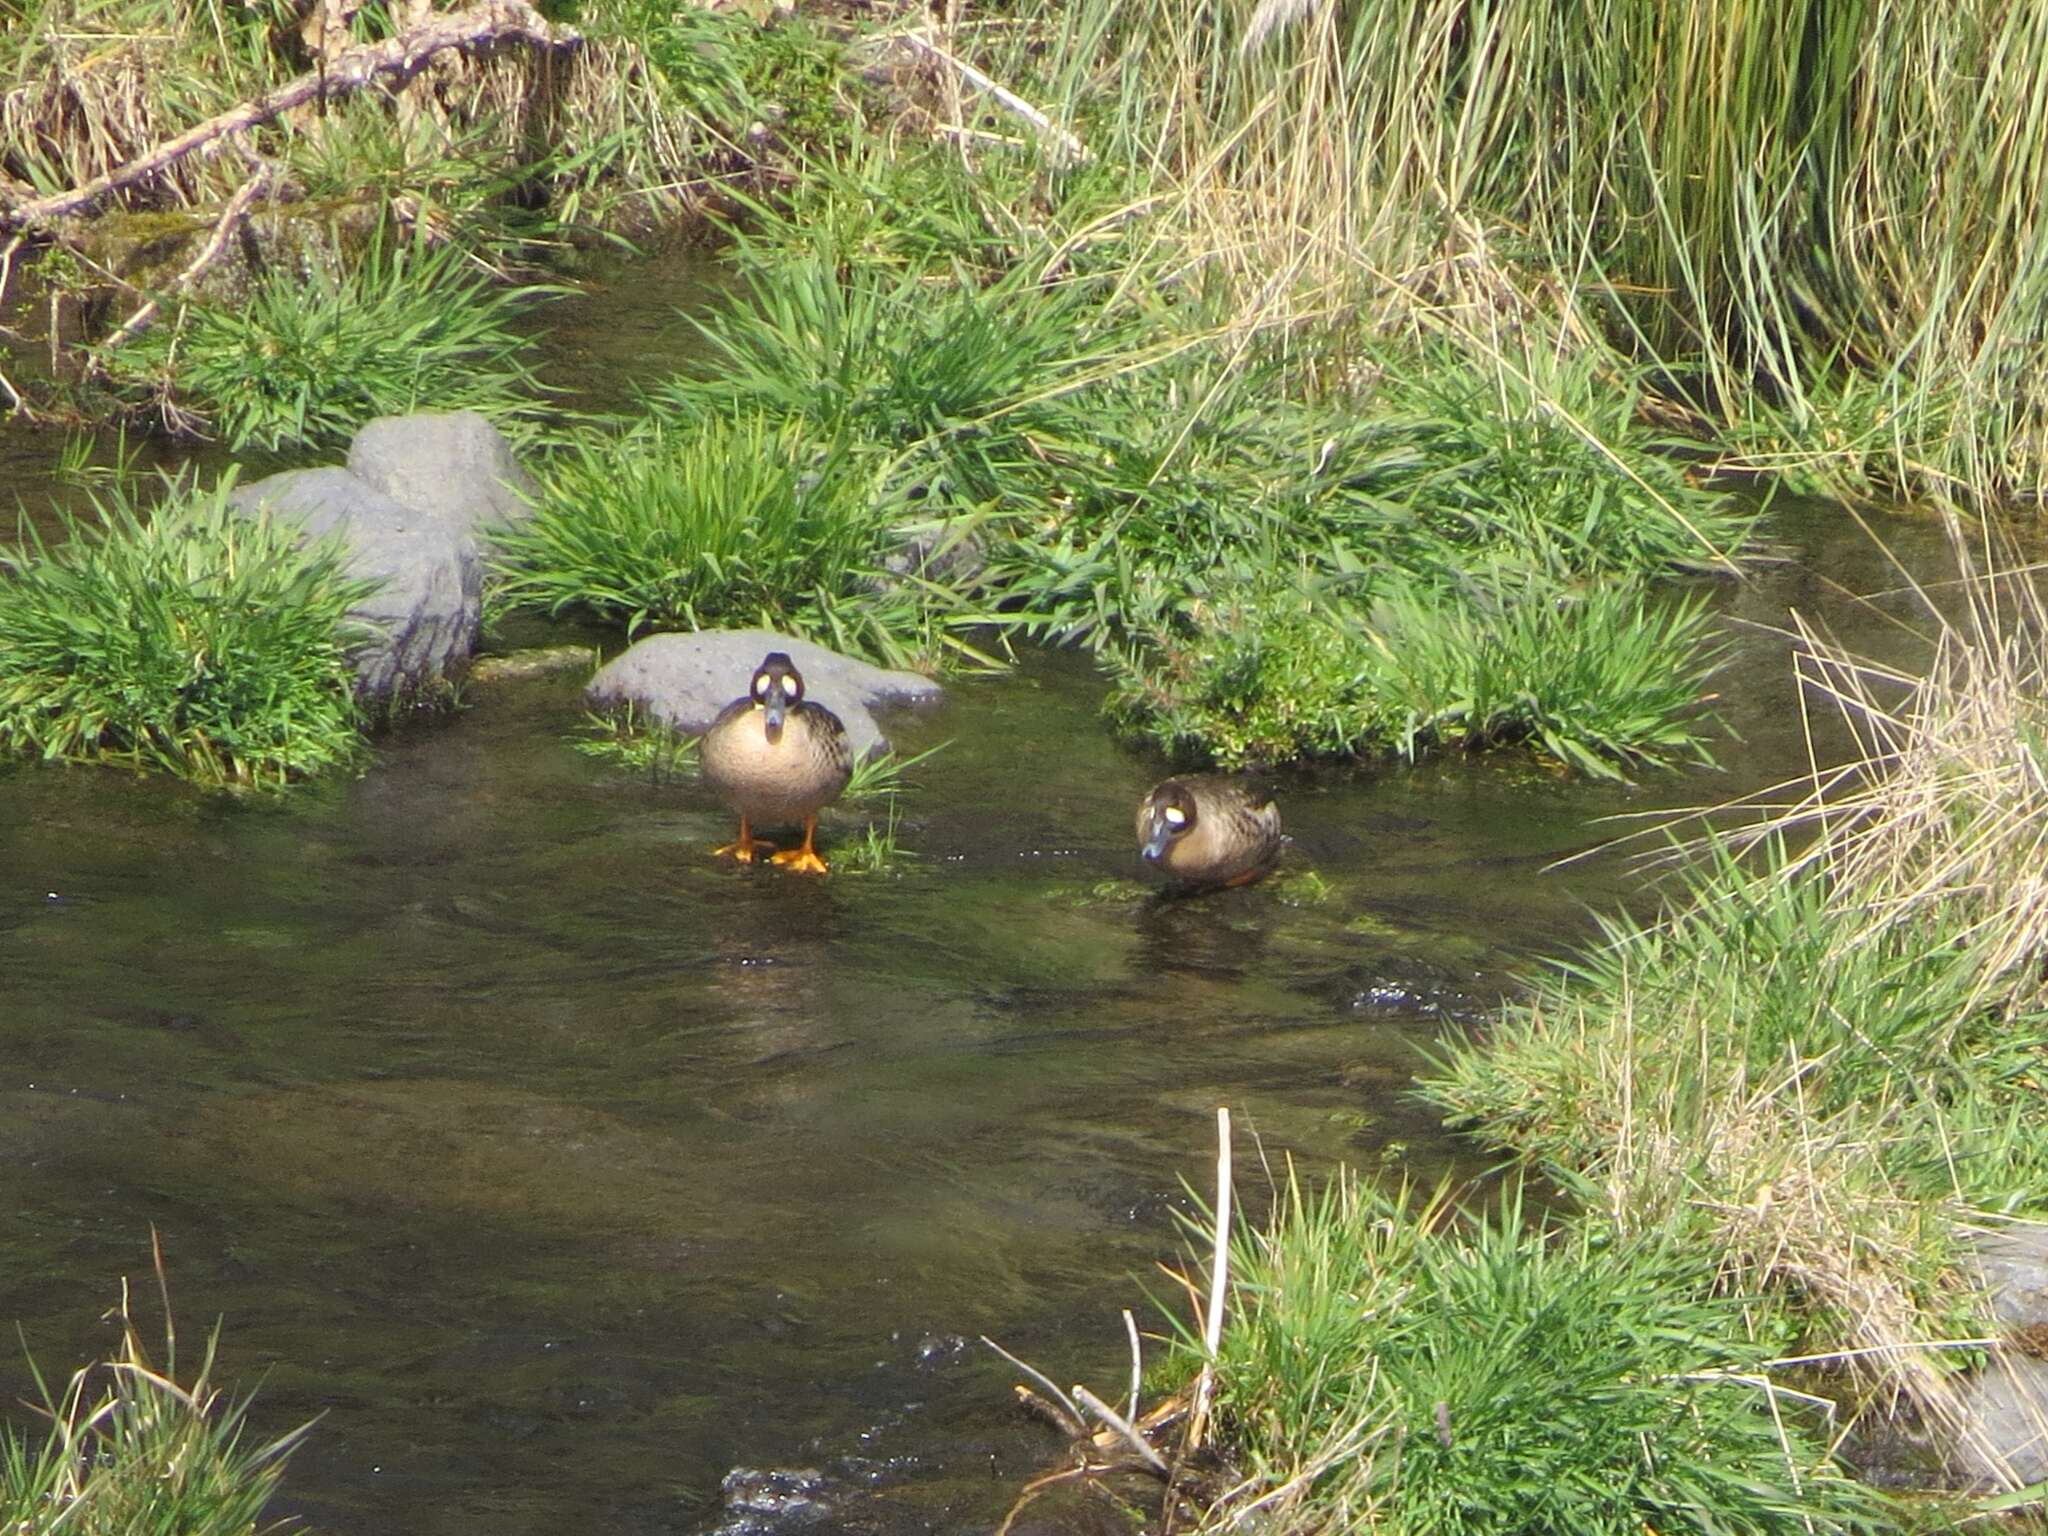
(746, 848)
(804, 860)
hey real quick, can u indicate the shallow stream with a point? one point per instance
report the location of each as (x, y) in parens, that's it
(564, 1171)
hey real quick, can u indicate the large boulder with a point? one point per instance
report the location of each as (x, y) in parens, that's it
(683, 681)
(408, 511)
(451, 466)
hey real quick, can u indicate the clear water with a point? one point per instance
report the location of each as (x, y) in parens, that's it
(563, 1170)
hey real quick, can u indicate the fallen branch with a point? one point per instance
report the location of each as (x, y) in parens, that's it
(1125, 1428)
(230, 219)
(395, 59)
(1003, 97)
(1078, 1427)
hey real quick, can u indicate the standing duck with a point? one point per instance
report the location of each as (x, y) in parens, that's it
(1209, 832)
(777, 759)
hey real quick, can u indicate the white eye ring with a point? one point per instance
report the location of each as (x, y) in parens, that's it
(1175, 815)
(762, 683)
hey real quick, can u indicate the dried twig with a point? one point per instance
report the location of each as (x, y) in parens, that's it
(1078, 1426)
(1062, 140)
(1219, 1279)
(1053, 1414)
(1125, 1428)
(395, 59)
(1137, 1362)
(231, 217)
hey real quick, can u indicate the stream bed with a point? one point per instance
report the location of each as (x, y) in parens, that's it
(563, 1171)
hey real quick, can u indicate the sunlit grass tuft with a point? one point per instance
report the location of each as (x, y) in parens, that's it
(884, 775)
(308, 357)
(874, 850)
(1604, 681)
(623, 739)
(722, 522)
(1392, 1364)
(189, 639)
(132, 1448)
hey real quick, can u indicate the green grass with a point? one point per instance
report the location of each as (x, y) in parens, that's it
(309, 357)
(875, 851)
(132, 1448)
(193, 641)
(885, 775)
(1603, 681)
(1392, 1364)
(624, 740)
(727, 521)
(1828, 1049)
(1822, 227)
(950, 383)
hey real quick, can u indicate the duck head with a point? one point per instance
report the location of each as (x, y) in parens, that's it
(778, 688)
(1169, 814)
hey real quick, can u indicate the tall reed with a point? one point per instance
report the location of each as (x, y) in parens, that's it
(1826, 225)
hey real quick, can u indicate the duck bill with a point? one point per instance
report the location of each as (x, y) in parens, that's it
(1156, 837)
(777, 704)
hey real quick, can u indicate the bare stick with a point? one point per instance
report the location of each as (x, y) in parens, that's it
(7, 268)
(17, 406)
(1137, 1362)
(397, 59)
(1049, 1411)
(1124, 1427)
(1079, 1427)
(1003, 96)
(231, 217)
(1219, 1279)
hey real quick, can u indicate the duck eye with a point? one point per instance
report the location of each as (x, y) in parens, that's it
(761, 682)
(1175, 816)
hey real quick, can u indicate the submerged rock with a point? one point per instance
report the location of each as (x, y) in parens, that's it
(759, 1503)
(539, 661)
(408, 510)
(683, 681)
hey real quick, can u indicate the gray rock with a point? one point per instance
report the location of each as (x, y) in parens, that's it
(426, 609)
(2003, 1436)
(683, 681)
(410, 509)
(2013, 1263)
(451, 466)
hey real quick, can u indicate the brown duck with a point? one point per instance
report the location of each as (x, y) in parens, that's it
(1209, 832)
(776, 758)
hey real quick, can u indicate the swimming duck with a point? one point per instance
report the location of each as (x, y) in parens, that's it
(1209, 832)
(776, 758)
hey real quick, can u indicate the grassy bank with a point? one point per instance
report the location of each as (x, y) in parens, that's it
(1771, 1115)
(999, 408)
(214, 293)
(1820, 227)
(1825, 1056)
(645, 116)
